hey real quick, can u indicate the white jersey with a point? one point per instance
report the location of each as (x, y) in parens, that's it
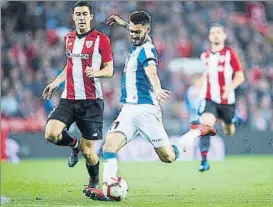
(135, 85)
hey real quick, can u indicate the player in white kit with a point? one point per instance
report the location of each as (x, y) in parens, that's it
(141, 93)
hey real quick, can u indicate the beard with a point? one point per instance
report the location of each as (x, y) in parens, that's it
(139, 41)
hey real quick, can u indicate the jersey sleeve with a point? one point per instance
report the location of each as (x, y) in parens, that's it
(235, 61)
(147, 56)
(105, 48)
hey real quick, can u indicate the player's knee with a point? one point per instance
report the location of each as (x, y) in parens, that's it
(52, 136)
(229, 130)
(208, 119)
(168, 158)
(109, 145)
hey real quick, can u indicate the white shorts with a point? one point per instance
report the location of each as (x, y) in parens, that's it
(142, 119)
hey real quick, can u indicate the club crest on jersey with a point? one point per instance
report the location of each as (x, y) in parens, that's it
(88, 44)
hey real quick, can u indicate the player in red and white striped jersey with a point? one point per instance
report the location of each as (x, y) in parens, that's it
(89, 57)
(223, 74)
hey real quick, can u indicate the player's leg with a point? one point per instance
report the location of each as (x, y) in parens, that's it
(90, 123)
(208, 117)
(226, 115)
(120, 133)
(114, 142)
(168, 153)
(150, 126)
(59, 119)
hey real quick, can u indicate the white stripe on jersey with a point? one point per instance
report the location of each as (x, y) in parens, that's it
(131, 68)
(213, 77)
(228, 77)
(77, 69)
(149, 54)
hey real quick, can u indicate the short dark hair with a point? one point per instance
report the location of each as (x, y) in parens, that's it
(140, 17)
(218, 25)
(83, 3)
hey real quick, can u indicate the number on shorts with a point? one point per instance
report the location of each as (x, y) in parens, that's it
(114, 125)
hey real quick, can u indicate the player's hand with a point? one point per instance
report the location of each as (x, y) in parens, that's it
(226, 93)
(115, 19)
(162, 95)
(90, 72)
(50, 90)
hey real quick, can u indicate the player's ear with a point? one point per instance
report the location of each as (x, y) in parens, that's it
(148, 28)
(73, 17)
(225, 36)
(91, 16)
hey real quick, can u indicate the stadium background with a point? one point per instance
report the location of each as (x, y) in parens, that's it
(32, 55)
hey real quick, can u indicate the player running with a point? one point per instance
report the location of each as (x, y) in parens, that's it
(222, 76)
(141, 93)
(89, 57)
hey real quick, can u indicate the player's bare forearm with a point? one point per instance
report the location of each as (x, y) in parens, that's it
(106, 72)
(239, 78)
(60, 78)
(151, 72)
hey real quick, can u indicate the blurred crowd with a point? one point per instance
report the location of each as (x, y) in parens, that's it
(33, 53)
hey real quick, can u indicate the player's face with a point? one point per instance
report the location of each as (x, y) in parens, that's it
(217, 35)
(138, 33)
(82, 18)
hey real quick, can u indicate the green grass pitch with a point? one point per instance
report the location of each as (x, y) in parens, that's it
(238, 181)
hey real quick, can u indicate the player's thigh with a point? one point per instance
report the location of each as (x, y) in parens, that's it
(59, 118)
(121, 131)
(226, 114)
(54, 128)
(114, 142)
(208, 111)
(150, 126)
(89, 118)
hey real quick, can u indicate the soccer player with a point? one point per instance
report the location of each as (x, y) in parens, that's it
(89, 57)
(223, 74)
(141, 93)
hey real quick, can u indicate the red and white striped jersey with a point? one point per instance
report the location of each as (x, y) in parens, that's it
(219, 72)
(92, 49)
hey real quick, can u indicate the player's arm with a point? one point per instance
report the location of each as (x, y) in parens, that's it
(151, 72)
(106, 72)
(239, 77)
(53, 86)
(61, 77)
(115, 19)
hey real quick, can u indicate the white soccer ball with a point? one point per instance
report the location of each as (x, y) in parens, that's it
(115, 188)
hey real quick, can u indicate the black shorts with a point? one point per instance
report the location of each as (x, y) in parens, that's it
(225, 112)
(88, 115)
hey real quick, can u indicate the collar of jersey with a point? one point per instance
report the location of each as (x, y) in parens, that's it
(85, 34)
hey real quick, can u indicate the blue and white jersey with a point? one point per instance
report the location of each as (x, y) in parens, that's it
(135, 84)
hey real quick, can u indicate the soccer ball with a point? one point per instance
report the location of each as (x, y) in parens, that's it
(115, 188)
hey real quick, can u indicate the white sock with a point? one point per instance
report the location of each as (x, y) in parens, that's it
(192, 134)
(190, 138)
(110, 165)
